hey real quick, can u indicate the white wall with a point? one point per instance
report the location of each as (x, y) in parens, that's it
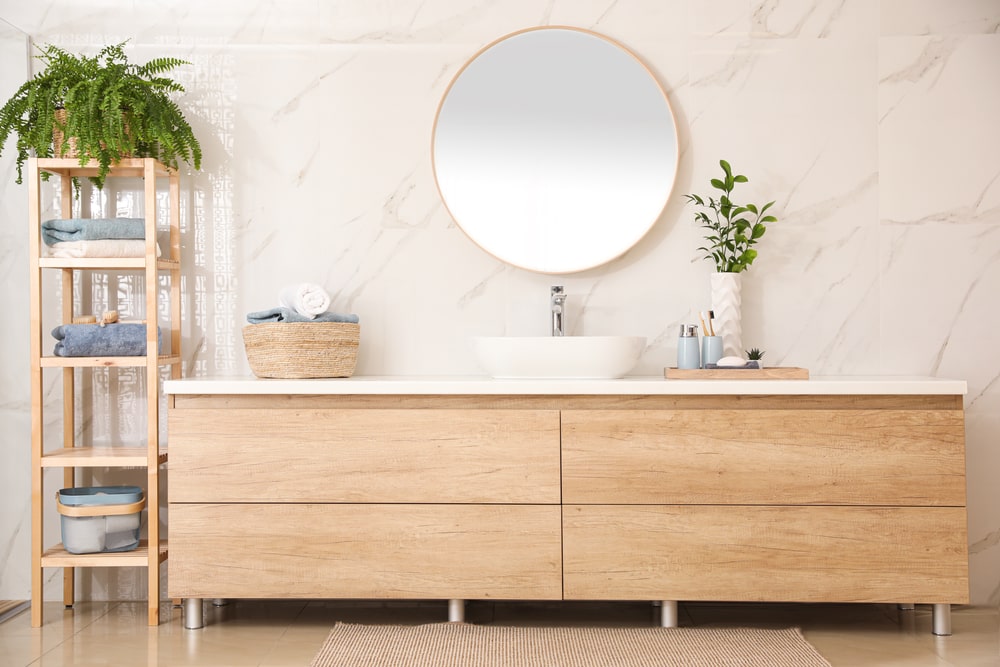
(874, 125)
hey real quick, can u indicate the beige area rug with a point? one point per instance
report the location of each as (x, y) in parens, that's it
(465, 645)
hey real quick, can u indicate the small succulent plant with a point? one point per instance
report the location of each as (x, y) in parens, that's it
(753, 354)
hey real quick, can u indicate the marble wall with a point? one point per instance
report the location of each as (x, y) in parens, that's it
(874, 124)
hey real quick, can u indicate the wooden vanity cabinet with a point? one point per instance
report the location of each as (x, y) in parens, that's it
(846, 499)
(272, 499)
(809, 498)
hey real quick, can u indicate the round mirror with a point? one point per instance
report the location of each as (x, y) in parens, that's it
(555, 149)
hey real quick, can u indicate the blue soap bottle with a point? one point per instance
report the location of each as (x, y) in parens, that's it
(688, 354)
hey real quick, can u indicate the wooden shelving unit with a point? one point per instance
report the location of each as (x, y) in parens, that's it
(72, 455)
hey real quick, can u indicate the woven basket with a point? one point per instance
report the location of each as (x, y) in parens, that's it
(71, 149)
(58, 140)
(302, 349)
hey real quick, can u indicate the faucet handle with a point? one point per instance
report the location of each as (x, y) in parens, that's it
(557, 290)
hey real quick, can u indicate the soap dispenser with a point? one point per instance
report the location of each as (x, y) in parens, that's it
(688, 355)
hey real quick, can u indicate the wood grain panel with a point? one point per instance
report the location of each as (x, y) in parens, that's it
(776, 554)
(782, 457)
(365, 551)
(328, 455)
(569, 402)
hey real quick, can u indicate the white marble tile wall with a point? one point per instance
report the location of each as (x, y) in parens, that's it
(872, 123)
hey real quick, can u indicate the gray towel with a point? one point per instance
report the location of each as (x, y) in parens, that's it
(92, 229)
(93, 340)
(283, 314)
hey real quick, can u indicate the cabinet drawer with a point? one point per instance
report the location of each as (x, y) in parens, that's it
(836, 457)
(365, 551)
(331, 455)
(801, 554)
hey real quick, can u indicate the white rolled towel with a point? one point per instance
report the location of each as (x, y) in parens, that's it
(307, 299)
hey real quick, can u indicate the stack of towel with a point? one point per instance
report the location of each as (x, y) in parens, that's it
(126, 339)
(302, 302)
(96, 237)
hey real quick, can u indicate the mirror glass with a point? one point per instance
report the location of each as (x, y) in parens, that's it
(555, 149)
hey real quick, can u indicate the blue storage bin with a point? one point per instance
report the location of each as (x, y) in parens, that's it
(97, 519)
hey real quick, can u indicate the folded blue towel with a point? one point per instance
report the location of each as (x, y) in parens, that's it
(93, 340)
(92, 229)
(283, 314)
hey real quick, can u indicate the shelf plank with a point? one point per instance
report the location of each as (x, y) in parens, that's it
(102, 362)
(70, 166)
(57, 556)
(98, 457)
(105, 263)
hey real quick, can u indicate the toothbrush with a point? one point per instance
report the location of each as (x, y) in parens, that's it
(711, 327)
(704, 329)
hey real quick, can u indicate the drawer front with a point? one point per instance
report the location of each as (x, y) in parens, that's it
(836, 457)
(365, 551)
(388, 456)
(776, 554)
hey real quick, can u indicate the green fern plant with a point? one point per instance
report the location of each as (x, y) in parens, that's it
(114, 109)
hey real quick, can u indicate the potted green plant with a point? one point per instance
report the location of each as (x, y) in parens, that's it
(107, 107)
(732, 229)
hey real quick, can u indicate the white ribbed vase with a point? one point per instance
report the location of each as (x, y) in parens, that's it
(726, 302)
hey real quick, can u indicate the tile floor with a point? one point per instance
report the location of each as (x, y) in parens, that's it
(284, 633)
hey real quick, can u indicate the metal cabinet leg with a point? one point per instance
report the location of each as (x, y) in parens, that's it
(456, 611)
(668, 614)
(941, 617)
(194, 614)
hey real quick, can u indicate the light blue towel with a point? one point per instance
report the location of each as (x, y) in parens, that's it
(283, 314)
(93, 340)
(92, 229)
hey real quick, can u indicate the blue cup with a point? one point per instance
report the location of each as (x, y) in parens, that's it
(711, 350)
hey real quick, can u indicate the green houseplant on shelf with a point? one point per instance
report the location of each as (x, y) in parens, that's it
(106, 107)
(732, 229)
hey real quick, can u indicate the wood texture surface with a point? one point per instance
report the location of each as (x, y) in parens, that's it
(406, 456)
(800, 554)
(365, 551)
(786, 457)
(568, 402)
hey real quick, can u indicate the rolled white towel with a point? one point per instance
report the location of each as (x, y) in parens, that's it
(307, 299)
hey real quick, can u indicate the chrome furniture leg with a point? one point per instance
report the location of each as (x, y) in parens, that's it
(942, 619)
(668, 614)
(194, 614)
(456, 611)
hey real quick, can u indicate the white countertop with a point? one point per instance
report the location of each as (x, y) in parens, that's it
(645, 385)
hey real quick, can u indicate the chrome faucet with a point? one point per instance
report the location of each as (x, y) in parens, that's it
(557, 302)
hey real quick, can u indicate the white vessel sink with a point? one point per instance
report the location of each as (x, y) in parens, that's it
(570, 357)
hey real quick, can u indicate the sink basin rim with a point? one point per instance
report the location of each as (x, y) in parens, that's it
(558, 357)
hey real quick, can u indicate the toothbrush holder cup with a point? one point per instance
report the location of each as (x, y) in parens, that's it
(711, 350)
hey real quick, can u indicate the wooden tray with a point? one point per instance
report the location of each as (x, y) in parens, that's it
(775, 373)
